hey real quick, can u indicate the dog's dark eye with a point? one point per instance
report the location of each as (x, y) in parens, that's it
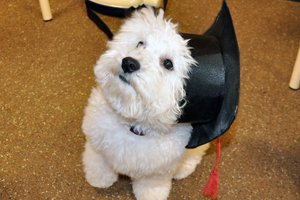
(140, 44)
(168, 64)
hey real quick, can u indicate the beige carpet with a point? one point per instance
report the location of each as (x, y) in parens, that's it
(46, 74)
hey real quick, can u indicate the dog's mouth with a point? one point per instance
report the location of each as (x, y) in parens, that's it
(123, 79)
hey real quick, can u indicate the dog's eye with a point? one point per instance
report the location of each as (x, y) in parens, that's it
(140, 44)
(168, 64)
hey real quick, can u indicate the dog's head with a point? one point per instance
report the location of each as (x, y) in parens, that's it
(143, 72)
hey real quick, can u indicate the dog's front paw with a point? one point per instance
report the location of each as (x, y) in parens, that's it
(186, 168)
(192, 158)
(97, 171)
(152, 188)
(103, 180)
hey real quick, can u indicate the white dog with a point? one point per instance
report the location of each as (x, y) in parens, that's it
(130, 121)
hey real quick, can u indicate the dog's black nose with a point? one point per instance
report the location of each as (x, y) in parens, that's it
(130, 65)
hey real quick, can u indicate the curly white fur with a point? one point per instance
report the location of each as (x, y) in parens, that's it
(149, 101)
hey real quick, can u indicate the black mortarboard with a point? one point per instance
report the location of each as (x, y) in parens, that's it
(214, 84)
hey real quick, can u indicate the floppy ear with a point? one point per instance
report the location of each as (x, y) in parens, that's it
(102, 71)
(213, 87)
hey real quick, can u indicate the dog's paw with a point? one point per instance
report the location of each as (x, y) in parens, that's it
(152, 188)
(186, 168)
(192, 158)
(97, 172)
(104, 180)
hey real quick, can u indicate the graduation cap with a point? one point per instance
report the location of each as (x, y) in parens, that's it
(214, 84)
(212, 90)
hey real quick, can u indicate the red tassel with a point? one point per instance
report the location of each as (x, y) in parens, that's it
(211, 188)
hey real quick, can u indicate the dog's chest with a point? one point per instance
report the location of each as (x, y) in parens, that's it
(129, 153)
(137, 155)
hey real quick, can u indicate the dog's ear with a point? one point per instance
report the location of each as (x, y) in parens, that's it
(101, 71)
(97, 72)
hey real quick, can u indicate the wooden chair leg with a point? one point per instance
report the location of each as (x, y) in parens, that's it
(295, 78)
(45, 8)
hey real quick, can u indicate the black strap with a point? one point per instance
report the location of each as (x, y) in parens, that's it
(97, 20)
(165, 4)
(92, 8)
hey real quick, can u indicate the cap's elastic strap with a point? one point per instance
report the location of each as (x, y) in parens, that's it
(91, 9)
(97, 20)
(165, 4)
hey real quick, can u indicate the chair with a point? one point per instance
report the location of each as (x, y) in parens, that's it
(46, 11)
(45, 8)
(295, 78)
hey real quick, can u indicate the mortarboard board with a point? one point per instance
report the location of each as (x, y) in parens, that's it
(212, 90)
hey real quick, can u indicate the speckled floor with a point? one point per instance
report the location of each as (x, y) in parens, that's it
(46, 74)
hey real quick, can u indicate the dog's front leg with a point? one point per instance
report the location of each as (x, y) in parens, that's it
(152, 188)
(97, 172)
(190, 161)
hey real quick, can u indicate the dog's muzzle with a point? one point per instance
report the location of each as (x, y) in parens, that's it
(130, 65)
